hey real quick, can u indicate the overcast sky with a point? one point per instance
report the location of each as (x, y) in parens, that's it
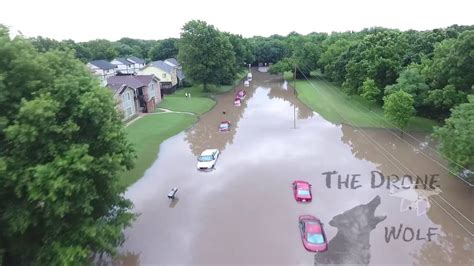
(155, 19)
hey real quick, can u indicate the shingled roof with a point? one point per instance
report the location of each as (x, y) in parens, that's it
(136, 60)
(102, 64)
(133, 82)
(173, 61)
(123, 61)
(163, 66)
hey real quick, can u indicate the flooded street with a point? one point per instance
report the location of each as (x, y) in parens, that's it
(243, 212)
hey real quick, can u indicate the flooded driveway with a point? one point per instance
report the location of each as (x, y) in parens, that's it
(243, 212)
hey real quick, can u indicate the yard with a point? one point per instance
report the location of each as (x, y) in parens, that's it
(146, 135)
(200, 101)
(328, 100)
(197, 105)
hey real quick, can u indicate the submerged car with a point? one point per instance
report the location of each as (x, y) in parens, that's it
(247, 83)
(237, 101)
(302, 191)
(249, 76)
(208, 159)
(224, 126)
(312, 233)
(241, 94)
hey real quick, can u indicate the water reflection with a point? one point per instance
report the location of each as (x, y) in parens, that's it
(351, 243)
(243, 212)
(278, 91)
(205, 134)
(449, 205)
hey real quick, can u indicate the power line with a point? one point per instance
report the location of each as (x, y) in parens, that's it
(378, 147)
(402, 164)
(421, 151)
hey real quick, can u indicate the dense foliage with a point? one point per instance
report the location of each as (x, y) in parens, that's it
(62, 147)
(206, 54)
(457, 139)
(398, 108)
(427, 73)
(164, 49)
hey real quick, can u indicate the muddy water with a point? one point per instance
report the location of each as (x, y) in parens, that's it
(243, 212)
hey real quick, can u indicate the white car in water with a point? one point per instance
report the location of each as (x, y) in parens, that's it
(247, 83)
(208, 159)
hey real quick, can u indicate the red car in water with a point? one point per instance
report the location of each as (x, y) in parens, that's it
(237, 101)
(302, 191)
(312, 234)
(241, 94)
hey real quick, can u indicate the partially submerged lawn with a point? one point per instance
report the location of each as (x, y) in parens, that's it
(197, 105)
(328, 100)
(146, 135)
(201, 101)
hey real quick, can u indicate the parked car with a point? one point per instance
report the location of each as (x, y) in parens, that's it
(247, 83)
(302, 191)
(237, 101)
(208, 159)
(224, 126)
(312, 233)
(241, 94)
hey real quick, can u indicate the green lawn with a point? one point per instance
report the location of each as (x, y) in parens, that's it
(197, 105)
(198, 91)
(146, 135)
(200, 101)
(325, 98)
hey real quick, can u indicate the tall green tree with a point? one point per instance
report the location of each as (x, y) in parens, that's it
(456, 137)
(62, 146)
(206, 54)
(413, 82)
(398, 108)
(371, 92)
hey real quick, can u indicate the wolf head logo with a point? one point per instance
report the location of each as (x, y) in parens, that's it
(351, 243)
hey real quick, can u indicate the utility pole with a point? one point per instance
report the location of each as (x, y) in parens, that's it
(294, 92)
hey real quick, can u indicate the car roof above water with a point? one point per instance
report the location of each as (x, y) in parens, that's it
(208, 152)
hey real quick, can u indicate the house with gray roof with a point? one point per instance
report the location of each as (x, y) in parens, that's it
(165, 72)
(123, 66)
(179, 70)
(137, 62)
(135, 93)
(102, 69)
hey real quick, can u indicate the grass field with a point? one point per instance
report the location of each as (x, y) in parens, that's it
(328, 100)
(146, 135)
(200, 101)
(197, 105)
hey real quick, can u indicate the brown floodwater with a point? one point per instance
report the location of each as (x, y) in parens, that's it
(243, 211)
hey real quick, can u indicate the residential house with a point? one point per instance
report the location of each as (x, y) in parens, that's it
(166, 74)
(146, 93)
(125, 100)
(179, 70)
(102, 69)
(124, 67)
(137, 63)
